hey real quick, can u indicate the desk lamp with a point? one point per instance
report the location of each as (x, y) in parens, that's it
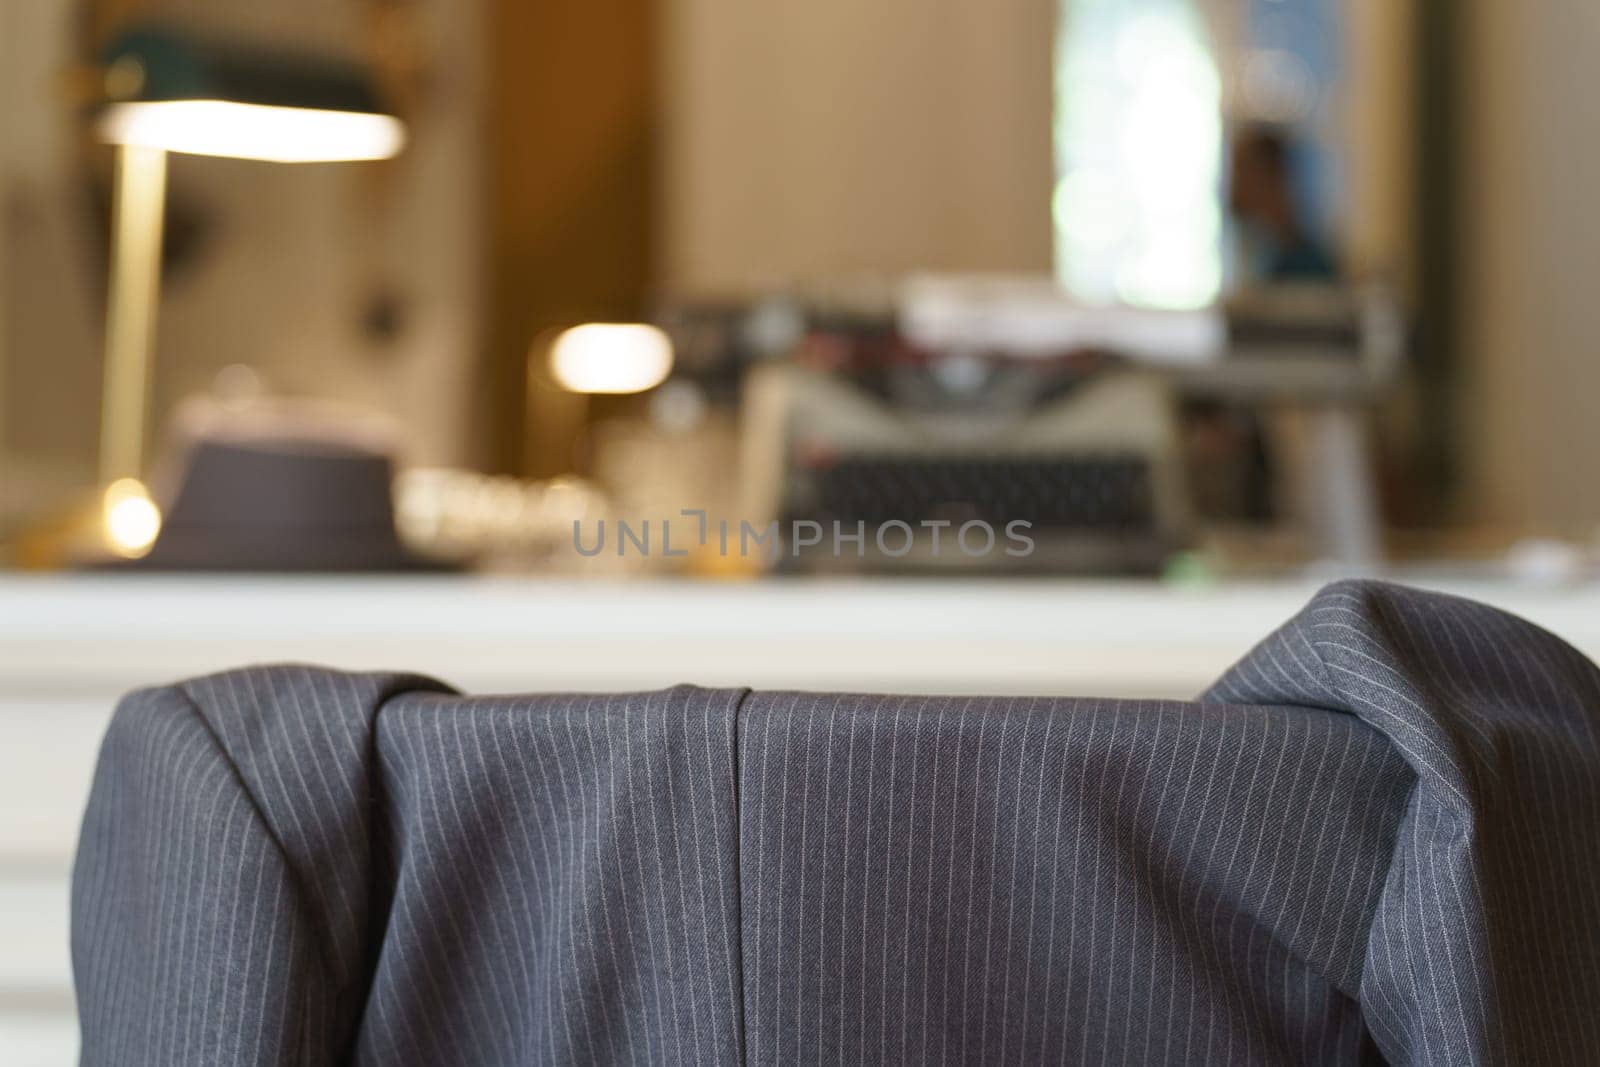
(167, 90)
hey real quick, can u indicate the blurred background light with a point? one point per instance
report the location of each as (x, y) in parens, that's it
(611, 357)
(1278, 86)
(253, 131)
(1138, 155)
(131, 518)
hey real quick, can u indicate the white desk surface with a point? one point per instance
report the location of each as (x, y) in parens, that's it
(105, 633)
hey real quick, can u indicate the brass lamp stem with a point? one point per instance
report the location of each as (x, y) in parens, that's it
(133, 292)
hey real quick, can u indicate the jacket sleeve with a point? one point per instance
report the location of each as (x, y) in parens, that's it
(1485, 946)
(220, 898)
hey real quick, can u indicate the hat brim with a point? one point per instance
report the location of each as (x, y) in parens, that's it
(302, 551)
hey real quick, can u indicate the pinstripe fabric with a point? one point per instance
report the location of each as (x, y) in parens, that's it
(1485, 947)
(288, 877)
(563, 883)
(222, 878)
(1376, 838)
(1055, 881)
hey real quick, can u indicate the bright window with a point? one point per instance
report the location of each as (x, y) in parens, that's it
(1138, 149)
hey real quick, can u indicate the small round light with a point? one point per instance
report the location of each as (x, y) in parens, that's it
(131, 518)
(611, 357)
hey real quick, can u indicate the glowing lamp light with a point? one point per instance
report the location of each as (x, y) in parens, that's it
(131, 519)
(172, 89)
(611, 357)
(253, 131)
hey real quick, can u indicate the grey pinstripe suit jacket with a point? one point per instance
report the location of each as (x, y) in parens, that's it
(1376, 838)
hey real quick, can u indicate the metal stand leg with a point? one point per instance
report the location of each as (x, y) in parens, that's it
(135, 287)
(1342, 500)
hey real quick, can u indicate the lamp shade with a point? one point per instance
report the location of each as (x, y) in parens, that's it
(182, 92)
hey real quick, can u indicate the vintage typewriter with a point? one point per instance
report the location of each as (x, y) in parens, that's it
(959, 399)
(865, 429)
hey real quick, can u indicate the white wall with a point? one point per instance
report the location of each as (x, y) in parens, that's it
(50, 304)
(834, 137)
(1532, 317)
(1378, 121)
